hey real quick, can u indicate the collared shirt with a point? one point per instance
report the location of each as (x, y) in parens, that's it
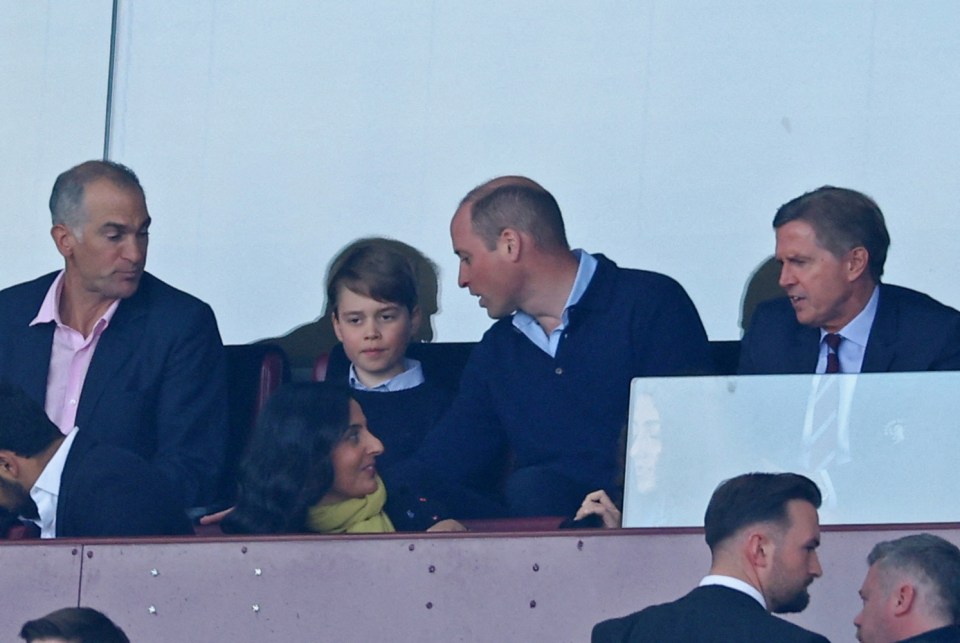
(734, 583)
(70, 357)
(855, 335)
(529, 326)
(412, 376)
(46, 490)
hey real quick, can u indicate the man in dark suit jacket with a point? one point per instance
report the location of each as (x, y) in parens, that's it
(111, 349)
(832, 244)
(75, 486)
(763, 532)
(911, 592)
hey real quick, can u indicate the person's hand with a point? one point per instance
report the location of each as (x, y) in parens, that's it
(447, 525)
(214, 519)
(599, 503)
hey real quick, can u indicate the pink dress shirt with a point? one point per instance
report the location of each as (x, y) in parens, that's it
(70, 358)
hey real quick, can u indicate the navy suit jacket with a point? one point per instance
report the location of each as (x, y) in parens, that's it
(106, 491)
(711, 614)
(911, 332)
(156, 384)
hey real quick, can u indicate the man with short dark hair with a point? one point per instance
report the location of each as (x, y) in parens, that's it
(550, 381)
(832, 245)
(763, 533)
(74, 485)
(73, 625)
(108, 348)
(911, 592)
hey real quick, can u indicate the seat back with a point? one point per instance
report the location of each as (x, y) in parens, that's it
(254, 372)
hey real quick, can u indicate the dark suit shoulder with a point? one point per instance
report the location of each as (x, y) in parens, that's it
(166, 313)
(710, 614)
(107, 491)
(159, 291)
(912, 332)
(29, 294)
(913, 303)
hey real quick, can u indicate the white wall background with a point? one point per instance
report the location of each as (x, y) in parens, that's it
(269, 135)
(54, 59)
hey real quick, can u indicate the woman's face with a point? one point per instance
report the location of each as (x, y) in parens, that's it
(354, 460)
(645, 445)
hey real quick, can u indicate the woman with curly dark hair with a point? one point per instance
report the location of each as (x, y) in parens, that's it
(310, 466)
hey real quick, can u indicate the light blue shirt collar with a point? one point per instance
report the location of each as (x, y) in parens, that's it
(855, 335)
(528, 325)
(412, 376)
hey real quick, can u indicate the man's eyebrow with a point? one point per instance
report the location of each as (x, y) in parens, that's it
(122, 227)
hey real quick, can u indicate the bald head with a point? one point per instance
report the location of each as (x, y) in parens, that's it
(519, 203)
(485, 189)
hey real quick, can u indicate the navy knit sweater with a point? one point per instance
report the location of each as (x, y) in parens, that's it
(401, 419)
(565, 413)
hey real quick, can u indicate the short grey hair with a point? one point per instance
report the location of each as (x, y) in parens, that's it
(66, 199)
(932, 562)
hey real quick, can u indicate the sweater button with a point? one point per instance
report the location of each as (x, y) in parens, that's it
(559, 371)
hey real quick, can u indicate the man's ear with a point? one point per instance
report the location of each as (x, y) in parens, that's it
(509, 244)
(64, 239)
(905, 595)
(857, 262)
(759, 550)
(9, 465)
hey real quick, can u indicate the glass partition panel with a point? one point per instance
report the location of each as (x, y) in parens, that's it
(882, 447)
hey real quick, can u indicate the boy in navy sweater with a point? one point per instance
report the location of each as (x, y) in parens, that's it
(372, 298)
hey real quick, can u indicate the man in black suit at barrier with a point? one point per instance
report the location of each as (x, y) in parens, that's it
(763, 533)
(837, 317)
(911, 592)
(74, 486)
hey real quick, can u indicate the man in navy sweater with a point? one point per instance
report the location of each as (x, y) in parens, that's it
(549, 383)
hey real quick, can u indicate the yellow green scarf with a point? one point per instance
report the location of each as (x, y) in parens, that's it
(355, 516)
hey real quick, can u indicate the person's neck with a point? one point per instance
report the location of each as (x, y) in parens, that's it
(80, 309)
(743, 573)
(549, 286)
(858, 300)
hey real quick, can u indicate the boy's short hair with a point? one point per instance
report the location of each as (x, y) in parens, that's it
(373, 269)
